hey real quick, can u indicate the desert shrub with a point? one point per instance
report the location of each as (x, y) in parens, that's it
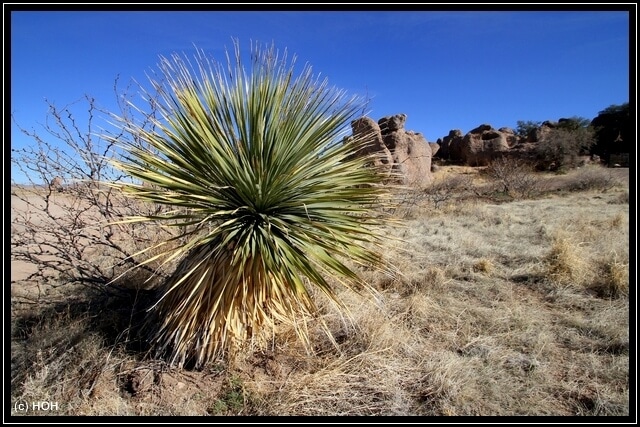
(64, 219)
(515, 177)
(592, 177)
(561, 147)
(256, 163)
(441, 194)
(448, 190)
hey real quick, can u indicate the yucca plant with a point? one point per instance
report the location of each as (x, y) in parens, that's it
(270, 199)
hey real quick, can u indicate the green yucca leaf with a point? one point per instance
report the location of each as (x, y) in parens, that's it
(253, 167)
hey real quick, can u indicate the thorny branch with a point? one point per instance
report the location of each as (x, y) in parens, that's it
(63, 216)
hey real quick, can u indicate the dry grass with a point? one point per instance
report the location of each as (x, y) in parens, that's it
(511, 308)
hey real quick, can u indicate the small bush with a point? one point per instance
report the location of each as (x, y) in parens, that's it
(593, 178)
(515, 177)
(449, 190)
(562, 146)
(483, 266)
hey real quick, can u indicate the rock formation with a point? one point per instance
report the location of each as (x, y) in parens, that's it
(369, 129)
(479, 146)
(407, 154)
(57, 184)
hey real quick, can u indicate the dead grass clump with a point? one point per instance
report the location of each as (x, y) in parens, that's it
(621, 199)
(597, 404)
(406, 285)
(436, 278)
(484, 265)
(360, 373)
(439, 390)
(55, 358)
(618, 220)
(368, 384)
(566, 265)
(612, 280)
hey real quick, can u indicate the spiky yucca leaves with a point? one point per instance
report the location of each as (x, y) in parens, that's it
(254, 163)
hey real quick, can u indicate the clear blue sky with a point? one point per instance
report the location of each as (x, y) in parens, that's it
(445, 70)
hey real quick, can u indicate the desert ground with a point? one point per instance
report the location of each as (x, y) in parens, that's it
(501, 305)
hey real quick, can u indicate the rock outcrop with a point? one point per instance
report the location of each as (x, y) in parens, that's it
(406, 154)
(57, 184)
(368, 128)
(479, 146)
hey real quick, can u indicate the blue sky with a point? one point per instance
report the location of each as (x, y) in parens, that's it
(445, 70)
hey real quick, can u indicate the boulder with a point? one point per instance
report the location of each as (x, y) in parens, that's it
(409, 152)
(479, 146)
(450, 146)
(484, 144)
(392, 123)
(57, 184)
(368, 129)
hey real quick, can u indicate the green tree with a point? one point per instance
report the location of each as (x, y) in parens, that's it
(254, 167)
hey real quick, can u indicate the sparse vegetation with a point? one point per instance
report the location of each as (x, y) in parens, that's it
(515, 308)
(561, 147)
(510, 297)
(514, 177)
(593, 177)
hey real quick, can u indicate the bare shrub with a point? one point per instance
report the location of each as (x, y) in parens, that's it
(448, 190)
(514, 177)
(562, 147)
(441, 194)
(593, 177)
(76, 235)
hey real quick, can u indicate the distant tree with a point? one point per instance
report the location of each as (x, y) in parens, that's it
(613, 131)
(525, 128)
(574, 123)
(562, 145)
